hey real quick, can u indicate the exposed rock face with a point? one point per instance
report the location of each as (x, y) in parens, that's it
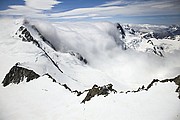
(119, 27)
(78, 56)
(177, 82)
(97, 90)
(26, 36)
(18, 74)
(121, 42)
(129, 29)
(157, 49)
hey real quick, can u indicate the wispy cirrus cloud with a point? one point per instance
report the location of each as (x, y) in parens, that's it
(108, 9)
(114, 3)
(137, 8)
(97, 11)
(32, 8)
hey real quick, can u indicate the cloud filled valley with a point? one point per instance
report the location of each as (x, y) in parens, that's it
(55, 66)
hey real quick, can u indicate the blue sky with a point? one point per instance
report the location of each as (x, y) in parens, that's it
(123, 11)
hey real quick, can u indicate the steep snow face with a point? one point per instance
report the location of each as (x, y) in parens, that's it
(96, 42)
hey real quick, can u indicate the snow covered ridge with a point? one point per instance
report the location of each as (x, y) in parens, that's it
(18, 74)
(106, 66)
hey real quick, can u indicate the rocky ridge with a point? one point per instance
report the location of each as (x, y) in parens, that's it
(18, 74)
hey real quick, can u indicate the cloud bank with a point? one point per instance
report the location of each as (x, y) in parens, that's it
(32, 8)
(39, 8)
(41, 4)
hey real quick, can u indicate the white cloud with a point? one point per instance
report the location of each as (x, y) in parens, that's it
(19, 10)
(41, 4)
(162, 6)
(32, 8)
(23, 10)
(132, 9)
(98, 11)
(100, 17)
(113, 3)
(35, 8)
(74, 17)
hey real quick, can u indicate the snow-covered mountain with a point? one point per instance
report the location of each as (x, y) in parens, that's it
(84, 70)
(153, 38)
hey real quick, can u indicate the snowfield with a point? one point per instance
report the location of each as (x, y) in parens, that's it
(80, 55)
(42, 99)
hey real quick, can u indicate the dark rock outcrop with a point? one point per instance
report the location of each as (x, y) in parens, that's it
(176, 80)
(156, 49)
(151, 84)
(119, 27)
(18, 74)
(120, 41)
(129, 29)
(97, 90)
(139, 89)
(79, 57)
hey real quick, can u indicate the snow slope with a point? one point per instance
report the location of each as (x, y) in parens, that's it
(42, 99)
(107, 62)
